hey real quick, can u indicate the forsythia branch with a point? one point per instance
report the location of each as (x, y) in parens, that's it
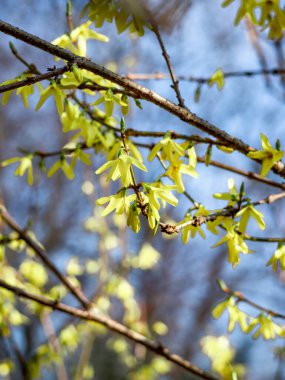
(244, 173)
(241, 298)
(32, 80)
(143, 92)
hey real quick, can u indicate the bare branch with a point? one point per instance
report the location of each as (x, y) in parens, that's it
(32, 68)
(169, 64)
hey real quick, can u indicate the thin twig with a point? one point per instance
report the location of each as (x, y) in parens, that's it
(244, 173)
(198, 220)
(128, 132)
(254, 38)
(269, 199)
(241, 298)
(34, 79)
(32, 68)
(258, 239)
(98, 87)
(201, 80)
(112, 325)
(174, 135)
(155, 29)
(173, 77)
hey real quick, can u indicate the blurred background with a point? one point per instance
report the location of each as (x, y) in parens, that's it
(180, 290)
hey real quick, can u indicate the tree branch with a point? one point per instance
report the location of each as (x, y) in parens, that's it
(270, 199)
(198, 220)
(244, 173)
(143, 92)
(32, 80)
(241, 298)
(220, 165)
(174, 135)
(197, 139)
(98, 87)
(258, 239)
(112, 325)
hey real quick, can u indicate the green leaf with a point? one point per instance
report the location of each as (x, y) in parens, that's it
(197, 94)
(138, 104)
(123, 125)
(217, 78)
(208, 155)
(227, 2)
